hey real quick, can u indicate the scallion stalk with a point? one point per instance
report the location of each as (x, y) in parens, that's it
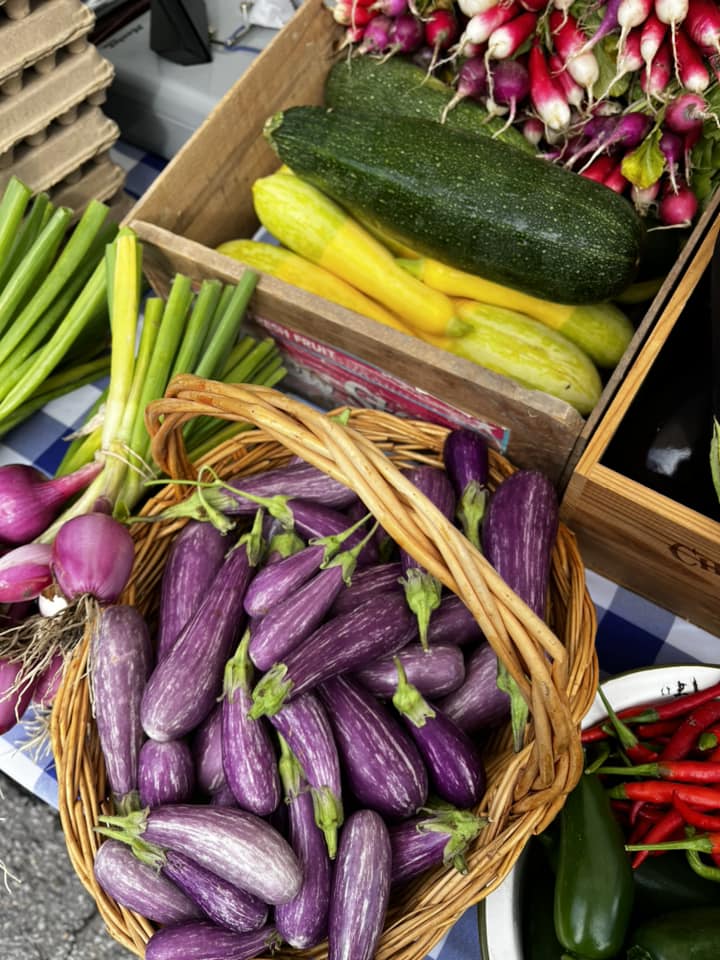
(40, 212)
(15, 199)
(227, 327)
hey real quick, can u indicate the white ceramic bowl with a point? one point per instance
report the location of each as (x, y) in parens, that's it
(499, 913)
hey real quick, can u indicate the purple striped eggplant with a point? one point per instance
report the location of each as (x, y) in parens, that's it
(194, 558)
(518, 537)
(342, 643)
(293, 619)
(206, 747)
(203, 940)
(224, 797)
(183, 687)
(274, 583)
(434, 672)
(380, 761)
(305, 727)
(166, 773)
(360, 889)
(438, 836)
(423, 591)
(248, 753)
(368, 582)
(465, 455)
(238, 846)
(141, 887)
(454, 763)
(120, 662)
(222, 902)
(302, 922)
(452, 622)
(478, 703)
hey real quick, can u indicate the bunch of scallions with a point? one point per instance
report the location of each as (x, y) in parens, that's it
(67, 547)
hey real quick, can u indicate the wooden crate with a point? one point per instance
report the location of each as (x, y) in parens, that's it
(638, 537)
(203, 198)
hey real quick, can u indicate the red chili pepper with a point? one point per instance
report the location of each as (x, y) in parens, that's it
(593, 734)
(635, 751)
(683, 740)
(686, 771)
(648, 731)
(665, 828)
(696, 818)
(707, 843)
(667, 709)
(661, 791)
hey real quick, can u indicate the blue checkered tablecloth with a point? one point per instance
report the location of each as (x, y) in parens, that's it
(632, 632)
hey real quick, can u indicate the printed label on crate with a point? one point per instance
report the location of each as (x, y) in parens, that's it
(330, 377)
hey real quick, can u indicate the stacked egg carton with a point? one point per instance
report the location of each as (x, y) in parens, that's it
(54, 135)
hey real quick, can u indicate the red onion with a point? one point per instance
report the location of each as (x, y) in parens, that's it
(92, 554)
(49, 682)
(13, 702)
(29, 501)
(25, 572)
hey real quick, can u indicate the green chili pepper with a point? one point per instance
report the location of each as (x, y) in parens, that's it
(594, 886)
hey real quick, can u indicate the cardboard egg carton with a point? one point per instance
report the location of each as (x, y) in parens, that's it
(14, 9)
(36, 39)
(54, 97)
(98, 179)
(64, 149)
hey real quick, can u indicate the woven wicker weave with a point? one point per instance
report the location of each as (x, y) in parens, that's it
(555, 667)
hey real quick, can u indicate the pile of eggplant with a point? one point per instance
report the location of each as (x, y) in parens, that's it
(299, 730)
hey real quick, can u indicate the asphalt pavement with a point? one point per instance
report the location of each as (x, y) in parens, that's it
(45, 914)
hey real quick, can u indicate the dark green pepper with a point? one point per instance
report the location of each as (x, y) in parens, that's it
(692, 934)
(667, 883)
(594, 886)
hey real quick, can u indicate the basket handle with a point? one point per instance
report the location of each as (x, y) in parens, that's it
(523, 641)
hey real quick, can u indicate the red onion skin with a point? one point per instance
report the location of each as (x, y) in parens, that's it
(13, 703)
(49, 682)
(25, 572)
(29, 501)
(92, 554)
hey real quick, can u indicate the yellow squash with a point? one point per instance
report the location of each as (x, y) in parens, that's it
(315, 227)
(601, 330)
(526, 351)
(288, 266)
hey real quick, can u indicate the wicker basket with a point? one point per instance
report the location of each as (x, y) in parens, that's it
(555, 668)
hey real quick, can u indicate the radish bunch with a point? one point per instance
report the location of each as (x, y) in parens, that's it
(624, 92)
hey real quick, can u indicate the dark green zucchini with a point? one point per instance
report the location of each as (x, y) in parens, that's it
(400, 88)
(692, 934)
(472, 202)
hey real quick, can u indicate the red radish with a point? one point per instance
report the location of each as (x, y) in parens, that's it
(376, 38)
(504, 41)
(470, 7)
(511, 85)
(703, 23)
(598, 170)
(607, 25)
(631, 14)
(406, 34)
(572, 90)
(629, 60)
(652, 35)
(644, 198)
(441, 30)
(545, 93)
(678, 208)
(353, 35)
(571, 43)
(480, 27)
(692, 73)
(471, 82)
(615, 179)
(391, 8)
(686, 113)
(655, 81)
(533, 130)
(534, 6)
(671, 147)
